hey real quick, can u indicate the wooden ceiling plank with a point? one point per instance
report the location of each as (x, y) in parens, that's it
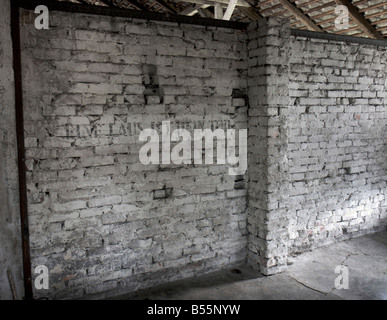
(360, 20)
(250, 13)
(261, 4)
(373, 7)
(300, 16)
(270, 8)
(327, 21)
(375, 14)
(348, 30)
(292, 24)
(321, 15)
(281, 13)
(329, 4)
(305, 4)
(378, 22)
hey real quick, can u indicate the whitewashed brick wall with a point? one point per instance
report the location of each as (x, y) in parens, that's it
(337, 141)
(104, 223)
(99, 219)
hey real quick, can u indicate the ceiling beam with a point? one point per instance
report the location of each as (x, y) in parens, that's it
(250, 13)
(300, 15)
(167, 6)
(230, 9)
(197, 8)
(240, 3)
(205, 13)
(360, 20)
(107, 2)
(190, 10)
(111, 3)
(218, 11)
(137, 4)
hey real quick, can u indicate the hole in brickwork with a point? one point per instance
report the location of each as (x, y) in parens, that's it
(239, 99)
(347, 170)
(239, 183)
(240, 93)
(162, 193)
(236, 271)
(151, 84)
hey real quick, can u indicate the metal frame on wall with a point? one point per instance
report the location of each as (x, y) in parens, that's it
(337, 37)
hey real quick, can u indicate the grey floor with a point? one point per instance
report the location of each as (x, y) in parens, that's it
(310, 275)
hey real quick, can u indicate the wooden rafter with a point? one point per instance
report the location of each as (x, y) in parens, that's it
(230, 9)
(137, 4)
(205, 13)
(166, 5)
(363, 23)
(190, 10)
(260, 4)
(250, 13)
(300, 16)
(224, 3)
(307, 14)
(314, 9)
(107, 2)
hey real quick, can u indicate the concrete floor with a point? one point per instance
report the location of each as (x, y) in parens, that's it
(310, 276)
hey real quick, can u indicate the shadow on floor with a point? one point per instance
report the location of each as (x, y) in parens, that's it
(204, 282)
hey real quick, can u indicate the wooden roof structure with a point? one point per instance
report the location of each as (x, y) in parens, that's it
(367, 18)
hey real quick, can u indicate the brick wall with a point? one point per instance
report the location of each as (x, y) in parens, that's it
(337, 141)
(99, 219)
(104, 223)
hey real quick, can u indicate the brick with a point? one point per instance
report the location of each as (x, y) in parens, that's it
(309, 106)
(104, 201)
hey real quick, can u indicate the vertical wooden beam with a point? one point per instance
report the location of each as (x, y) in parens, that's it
(218, 11)
(15, 34)
(230, 9)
